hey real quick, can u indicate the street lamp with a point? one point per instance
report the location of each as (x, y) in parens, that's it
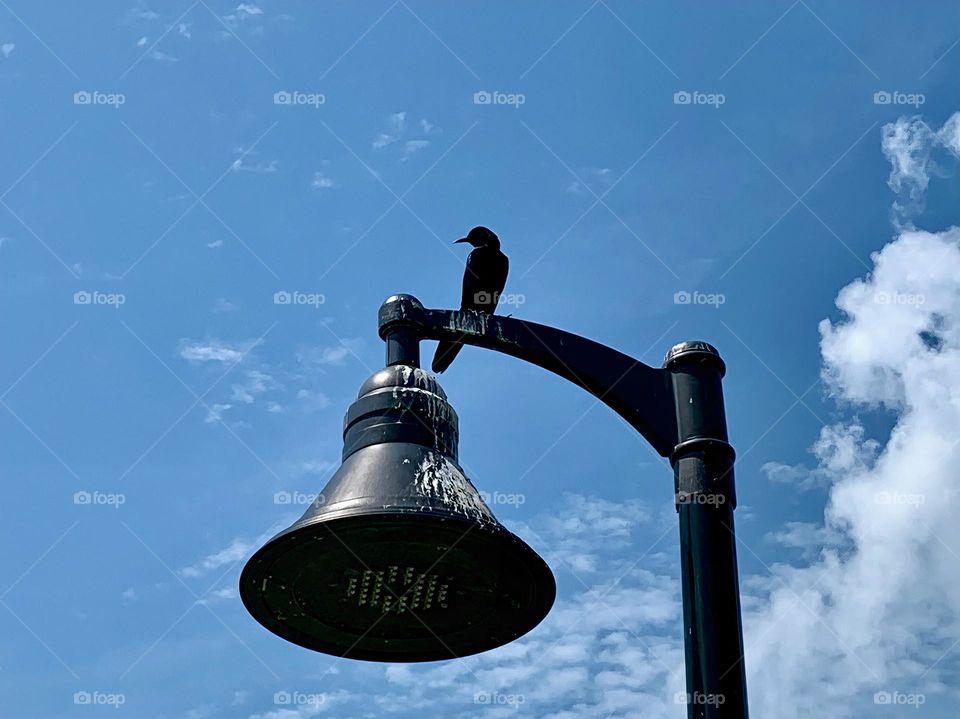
(399, 559)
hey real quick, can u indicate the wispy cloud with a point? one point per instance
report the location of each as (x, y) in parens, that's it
(214, 350)
(840, 448)
(246, 10)
(321, 182)
(396, 124)
(397, 131)
(876, 610)
(412, 147)
(260, 167)
(598, 175)
(219, 595)
(247, 17)
(162, 57)
(254, 384)
(140, 14)
(215, 412)
(237, 550)
(221, 306)
(312, 358)
(311, 400)
(909, 145)
(316, 466)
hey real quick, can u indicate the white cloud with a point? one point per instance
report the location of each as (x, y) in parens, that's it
(396, 123)
(412, 147)
(880, 615)
(322, 182)
(222, 306)
(909, 145)
(249, 15)
(331, 356)
(214, 351)
(241, 164)
(397, 131)
(807, 536)
(162, 57)
(142, 41)
(219, 595)
(912, 287)
(254, 384)
(140, 14)
(215, 412)
(248, 9)
(311, 400)
(877, 610)
(316, 466)
(840, 448)
(237, 550)
(598, 175)
(215, 244)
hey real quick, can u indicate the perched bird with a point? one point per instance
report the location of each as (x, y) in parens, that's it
(483, 281)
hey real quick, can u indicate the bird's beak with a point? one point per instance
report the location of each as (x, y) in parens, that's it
(462, 239)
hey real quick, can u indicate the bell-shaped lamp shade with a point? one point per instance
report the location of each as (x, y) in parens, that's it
(399, 559)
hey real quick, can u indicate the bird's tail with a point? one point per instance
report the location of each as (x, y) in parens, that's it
(446, 352)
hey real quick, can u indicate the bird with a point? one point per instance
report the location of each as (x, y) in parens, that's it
(483, 281)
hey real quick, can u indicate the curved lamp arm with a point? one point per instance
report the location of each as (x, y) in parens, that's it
(640, 394)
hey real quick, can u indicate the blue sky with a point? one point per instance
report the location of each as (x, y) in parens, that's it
(157, 192)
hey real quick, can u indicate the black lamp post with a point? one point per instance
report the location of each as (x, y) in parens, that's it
(399, 558)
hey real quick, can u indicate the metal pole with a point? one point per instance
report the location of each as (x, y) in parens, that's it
(705, 500)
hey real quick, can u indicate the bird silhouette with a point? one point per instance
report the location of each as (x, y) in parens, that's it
(483, 280)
